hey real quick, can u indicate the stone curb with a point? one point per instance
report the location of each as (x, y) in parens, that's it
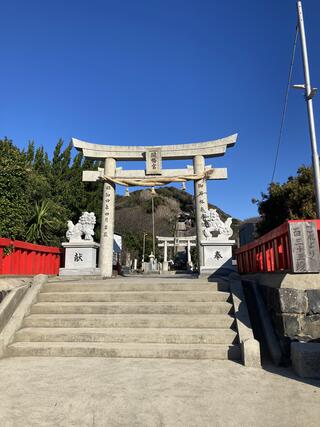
(10, 303)
(250, 347)
(21, 309)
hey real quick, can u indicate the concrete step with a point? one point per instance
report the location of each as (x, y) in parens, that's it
(132, 350)
(129, 335)
(138, 278)
(128, 321)
(191, 296)
(132, 308)
(151, 286)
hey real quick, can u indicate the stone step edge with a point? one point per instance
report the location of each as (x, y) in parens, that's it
(173, 291)
(84, 345)
(134, 351)
(130, 303)
(132, 331)
(169, 292)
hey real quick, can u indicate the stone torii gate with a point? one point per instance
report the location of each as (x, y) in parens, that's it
(152, 176)
(173, 242)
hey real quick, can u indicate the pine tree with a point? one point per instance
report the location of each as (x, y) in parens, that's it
(30, 153)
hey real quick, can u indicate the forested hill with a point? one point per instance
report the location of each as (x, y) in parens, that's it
(134, 216)
(38, 195)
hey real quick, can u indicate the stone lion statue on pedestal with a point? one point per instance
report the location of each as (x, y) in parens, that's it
(213, 223)
(85, 226)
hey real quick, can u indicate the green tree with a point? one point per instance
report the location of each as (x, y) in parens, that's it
(30, 153)
(292, 200)
(14, 191)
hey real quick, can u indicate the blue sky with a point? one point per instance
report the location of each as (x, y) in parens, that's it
(153, 72)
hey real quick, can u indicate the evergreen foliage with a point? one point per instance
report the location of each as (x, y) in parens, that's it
(39, 195)
(15, 189)
(292, 200)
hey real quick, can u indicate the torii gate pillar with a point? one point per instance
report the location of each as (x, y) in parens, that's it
(107, 221)
(201, 201)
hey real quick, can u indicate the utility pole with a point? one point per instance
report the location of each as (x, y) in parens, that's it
(309, 94)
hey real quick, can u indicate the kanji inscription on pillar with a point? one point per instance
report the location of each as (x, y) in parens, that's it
(304, 247)
(202, 198)
(154, 162)
(106, 213)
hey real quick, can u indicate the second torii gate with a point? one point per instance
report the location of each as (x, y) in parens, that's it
(153, 175)
(167, 242)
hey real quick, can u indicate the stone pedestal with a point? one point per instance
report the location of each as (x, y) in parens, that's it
(217, 256)
(80, 258)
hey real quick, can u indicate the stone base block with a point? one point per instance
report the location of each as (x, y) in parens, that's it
(80, 258)
(217, 257)
(79, 272)
(250, 350)
(306, 359)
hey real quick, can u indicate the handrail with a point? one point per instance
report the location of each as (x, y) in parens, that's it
(270, 252)
(24, 258)
(29, 246)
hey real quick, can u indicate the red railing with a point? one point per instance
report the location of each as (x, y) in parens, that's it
(269, 253)
(21, 258)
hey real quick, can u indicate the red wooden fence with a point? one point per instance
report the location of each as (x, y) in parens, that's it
(21, 258)
(269, 253)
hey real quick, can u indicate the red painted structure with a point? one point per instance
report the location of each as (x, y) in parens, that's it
(21, 258)
(269, 253)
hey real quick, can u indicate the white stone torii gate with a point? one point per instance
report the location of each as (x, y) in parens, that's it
(154, 175)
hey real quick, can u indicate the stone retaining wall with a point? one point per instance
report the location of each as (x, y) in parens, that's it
(295, 312)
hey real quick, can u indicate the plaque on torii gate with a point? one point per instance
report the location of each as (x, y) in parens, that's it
(152, 176)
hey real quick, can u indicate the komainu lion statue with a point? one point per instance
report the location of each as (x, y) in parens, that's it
(84, 226)
(213, 224)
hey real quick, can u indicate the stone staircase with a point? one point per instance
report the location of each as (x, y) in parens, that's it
(134, 317)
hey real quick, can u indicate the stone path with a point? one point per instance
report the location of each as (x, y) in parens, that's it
(80, 392)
